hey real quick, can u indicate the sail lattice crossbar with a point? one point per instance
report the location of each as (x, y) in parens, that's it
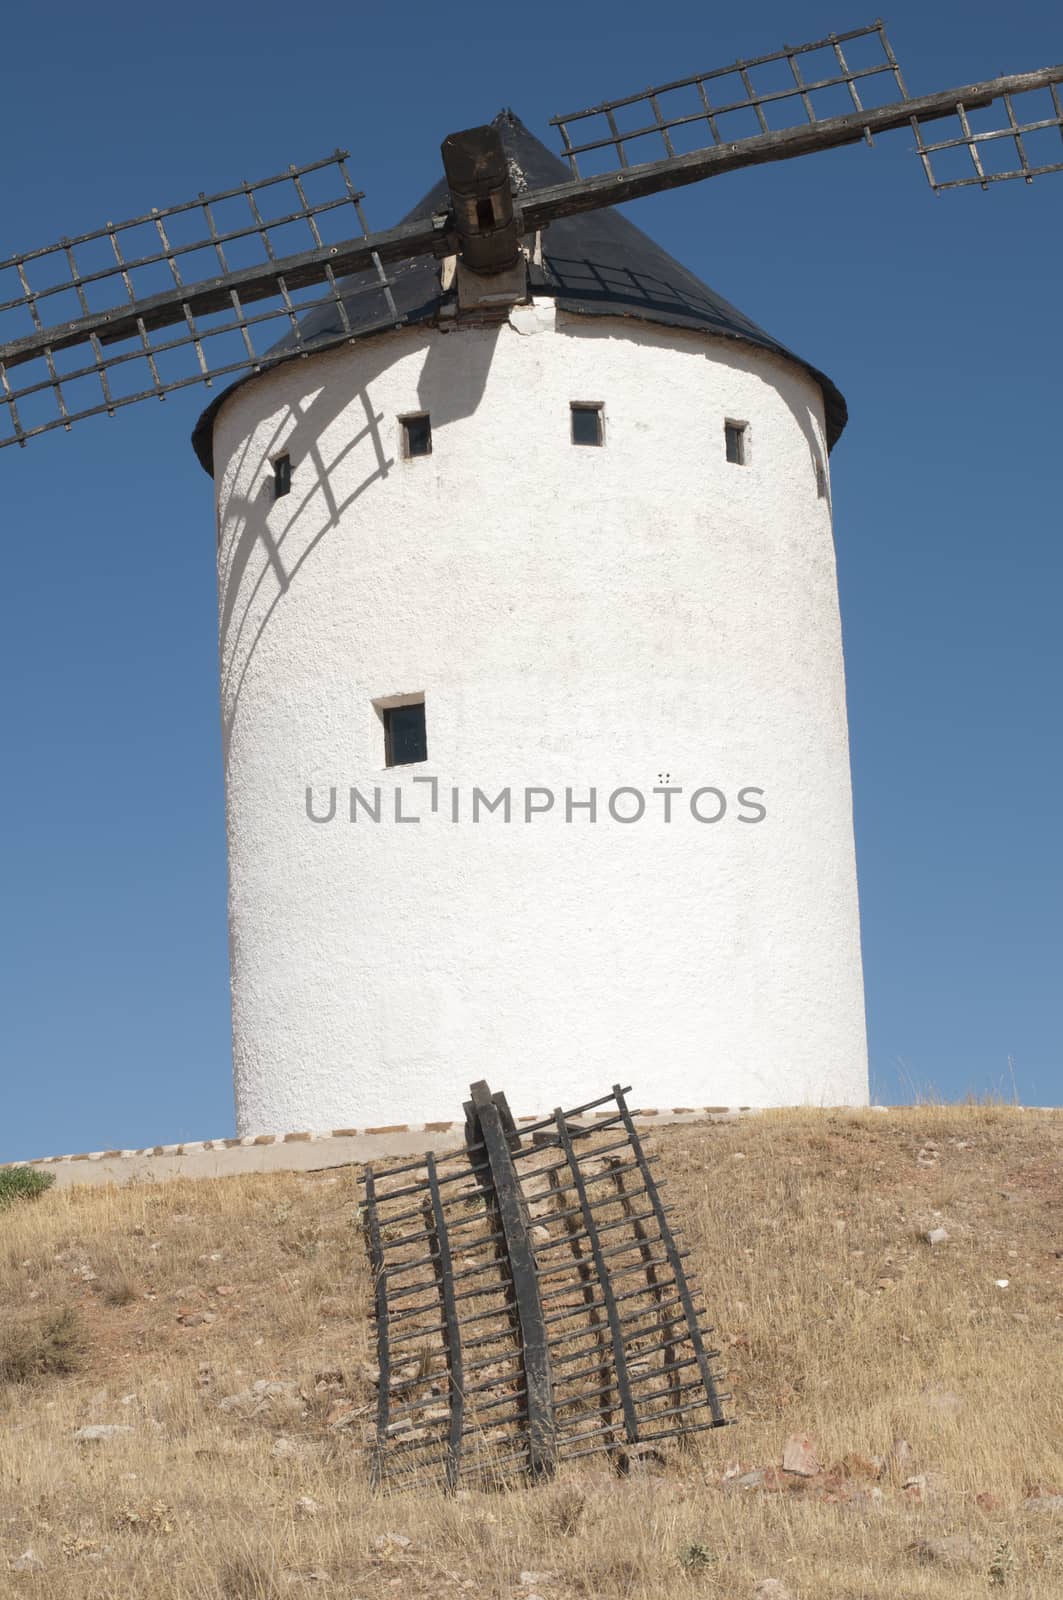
(140, 308)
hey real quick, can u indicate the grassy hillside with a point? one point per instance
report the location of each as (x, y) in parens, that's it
(222, 1328)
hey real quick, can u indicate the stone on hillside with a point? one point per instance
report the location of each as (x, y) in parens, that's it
(946, 1550)
(771, 1589)
(799, 1456)
(341, 1414)
(872, 1496)
(288, 1449)
(1043, 1502)
(306, 1506)
(98, 1431)
(242, 1401)
(538, 1580)
(936, 1236)
(266, 1397)
(387, 1543)
(28, 1561)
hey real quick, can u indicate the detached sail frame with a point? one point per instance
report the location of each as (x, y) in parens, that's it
(531, 1301)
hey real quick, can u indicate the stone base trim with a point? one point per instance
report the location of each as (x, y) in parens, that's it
(304, 1151)
(309, 1151)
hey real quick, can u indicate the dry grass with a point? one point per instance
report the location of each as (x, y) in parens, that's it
(834, 1315)
(39, 1347)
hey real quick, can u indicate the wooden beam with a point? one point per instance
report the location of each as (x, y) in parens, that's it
(542, 206)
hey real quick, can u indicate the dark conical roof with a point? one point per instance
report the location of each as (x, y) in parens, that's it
(595, 264)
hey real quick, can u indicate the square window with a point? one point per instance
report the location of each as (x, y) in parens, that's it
(587, 423)
(734, 438)
(405, 738)
(282, 476)
(416, 435)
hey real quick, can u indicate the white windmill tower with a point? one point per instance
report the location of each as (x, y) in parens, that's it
(565, 533)
(532, 681)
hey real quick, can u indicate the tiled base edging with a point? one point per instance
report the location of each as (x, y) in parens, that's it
(297, 1152)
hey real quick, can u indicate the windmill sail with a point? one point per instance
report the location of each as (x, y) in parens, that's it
(811, 97)
(138, 309)
(727, 105)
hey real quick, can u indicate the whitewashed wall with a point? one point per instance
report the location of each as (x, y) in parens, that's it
(576, 618)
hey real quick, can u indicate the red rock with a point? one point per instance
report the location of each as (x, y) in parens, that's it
(988, 1501)
(799, 1456)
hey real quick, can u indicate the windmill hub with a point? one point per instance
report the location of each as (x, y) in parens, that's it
(485, 219)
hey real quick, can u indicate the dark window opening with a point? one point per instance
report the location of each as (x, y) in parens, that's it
(485, 213)
(587, 424)
(405, 739)
(282, 476)
(417, 435)
(734, 435)
(821, 479)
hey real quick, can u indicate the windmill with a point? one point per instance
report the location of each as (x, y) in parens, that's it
(525, 758)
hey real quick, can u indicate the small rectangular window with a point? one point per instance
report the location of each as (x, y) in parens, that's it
(821, 479)
(416, 435)
(405, 738)
(587, 423)
(282, 476)
(734, 436)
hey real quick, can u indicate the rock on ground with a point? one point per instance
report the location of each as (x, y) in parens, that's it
(285, 1448)
(946, 1550)
(799, 1456)
(771, 1589)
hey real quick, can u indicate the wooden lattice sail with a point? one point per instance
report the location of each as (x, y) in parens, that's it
(531, 1301)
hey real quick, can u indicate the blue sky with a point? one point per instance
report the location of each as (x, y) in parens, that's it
(939, 318)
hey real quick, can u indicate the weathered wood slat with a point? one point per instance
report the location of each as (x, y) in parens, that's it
(541, 1427)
